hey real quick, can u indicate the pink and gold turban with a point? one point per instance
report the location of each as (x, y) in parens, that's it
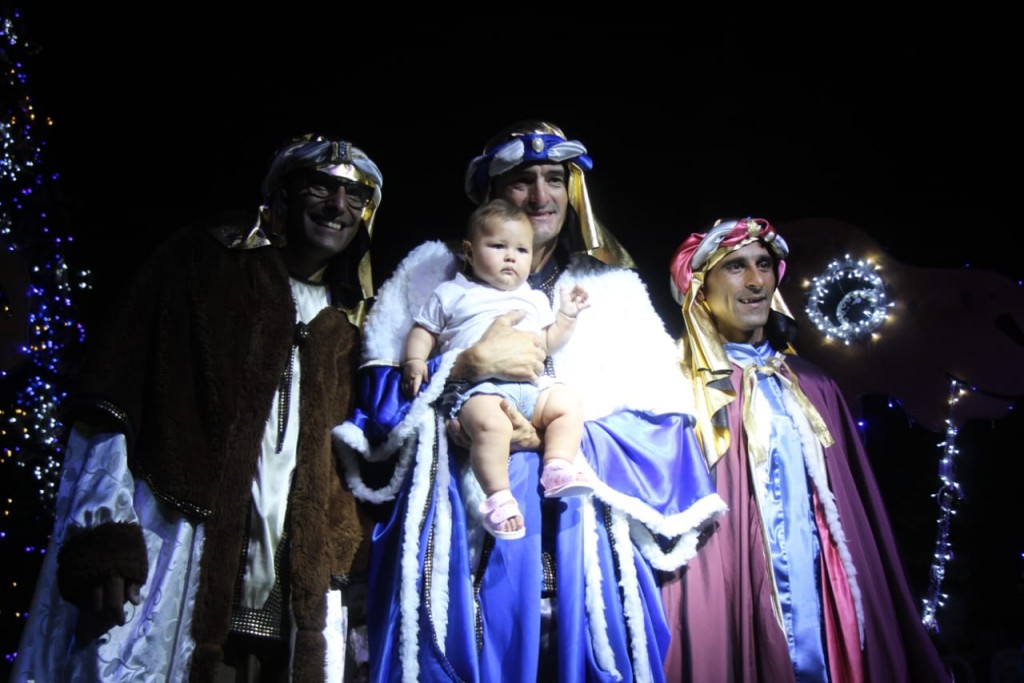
(701, 251)
(705, 360)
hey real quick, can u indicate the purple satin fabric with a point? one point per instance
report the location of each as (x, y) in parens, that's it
(649, 457)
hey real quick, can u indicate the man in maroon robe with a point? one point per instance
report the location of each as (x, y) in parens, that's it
(801, 579)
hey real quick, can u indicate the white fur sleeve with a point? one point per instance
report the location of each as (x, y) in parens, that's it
(620, 355)
(404, 293)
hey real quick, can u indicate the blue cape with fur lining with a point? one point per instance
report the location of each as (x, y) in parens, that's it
(446, 600)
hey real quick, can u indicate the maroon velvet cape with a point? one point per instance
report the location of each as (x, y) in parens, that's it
(720, 605)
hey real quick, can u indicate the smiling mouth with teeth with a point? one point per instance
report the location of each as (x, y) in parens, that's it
(331, 225)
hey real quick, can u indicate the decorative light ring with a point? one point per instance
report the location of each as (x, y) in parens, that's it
(848, 301)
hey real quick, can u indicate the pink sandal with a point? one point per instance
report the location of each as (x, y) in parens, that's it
(498, 508)
(561, 480)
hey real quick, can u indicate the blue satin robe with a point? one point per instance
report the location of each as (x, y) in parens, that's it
(494, 618)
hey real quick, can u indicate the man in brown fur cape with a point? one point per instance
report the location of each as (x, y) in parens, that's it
(203, 529)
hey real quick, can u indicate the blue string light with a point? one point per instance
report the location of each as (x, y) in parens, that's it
(34, 373)
(30, 429)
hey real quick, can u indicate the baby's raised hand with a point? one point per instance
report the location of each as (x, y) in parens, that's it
(574, 301)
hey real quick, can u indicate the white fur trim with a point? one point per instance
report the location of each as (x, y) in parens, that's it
(592, 593)
(684, 547)
(442, 526)
(646, 521)
(704, 511)
(350, 436)
(632, 607)
(389, 321)
(348, 440)
(414, 518)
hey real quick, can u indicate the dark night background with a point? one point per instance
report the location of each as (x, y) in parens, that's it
(899, 125)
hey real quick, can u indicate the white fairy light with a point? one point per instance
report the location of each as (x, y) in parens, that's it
(948, 497)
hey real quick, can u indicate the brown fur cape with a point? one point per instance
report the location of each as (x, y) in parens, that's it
(188, 371)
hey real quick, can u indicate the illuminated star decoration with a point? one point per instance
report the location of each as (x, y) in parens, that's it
(848, 301)
(948, 496)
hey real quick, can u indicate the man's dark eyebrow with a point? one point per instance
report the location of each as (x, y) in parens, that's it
(733, 258)
(737, 258)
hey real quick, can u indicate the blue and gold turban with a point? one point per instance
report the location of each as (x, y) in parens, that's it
(539, 142)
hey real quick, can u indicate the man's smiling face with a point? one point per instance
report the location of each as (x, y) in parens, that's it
(738, 292)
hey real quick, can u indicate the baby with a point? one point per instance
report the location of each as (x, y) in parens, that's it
(499, 250)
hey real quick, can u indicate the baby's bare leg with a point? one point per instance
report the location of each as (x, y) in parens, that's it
(559, 412)
(490, 432)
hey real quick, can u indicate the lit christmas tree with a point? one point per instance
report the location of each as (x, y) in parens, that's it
(39, 333)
